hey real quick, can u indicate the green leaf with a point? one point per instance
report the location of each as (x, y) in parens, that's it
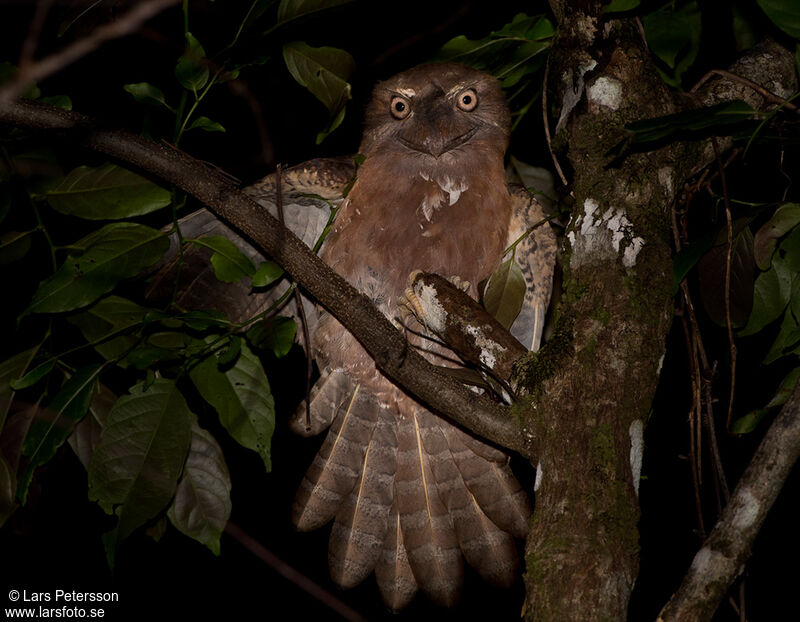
(771, 293)
(785, 218)
(59, 101)
(140, 456)
(86, 435)
(507, 53)
(274, 333)
(202, 320)
(267, 273)
(202, 503)
(293, 9)
(54, 423)
(748, 423)
(108, 316)
(688, 257)
(10, 369)
(33, 376)
(785, 14)
(787, 339)
(324, 71)
(231, 353)
(14, 245)
(785, 389)
(8, 491)
(107, 192)
(192, 67)
(674, 36)
(146, 93)
(100, 260)
(620, 6)
(229, 263)
(692, 122)
(505, 293)
(204, 123)
(242, 398)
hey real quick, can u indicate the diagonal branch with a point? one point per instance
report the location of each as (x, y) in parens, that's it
(355, 311)
(722, 558)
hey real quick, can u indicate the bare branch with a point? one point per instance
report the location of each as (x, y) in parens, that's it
(354, 310)
(723, 556)
(125, 25)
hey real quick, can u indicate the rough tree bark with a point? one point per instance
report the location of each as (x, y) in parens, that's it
(591, 387)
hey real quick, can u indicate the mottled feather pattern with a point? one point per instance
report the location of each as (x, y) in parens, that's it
(428, 532)
(337, 466)
(536, 257)
(395, 578)
(362, 521)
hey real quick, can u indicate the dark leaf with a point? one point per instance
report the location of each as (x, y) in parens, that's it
(54, 423)
(771, 292)
(108, 192)
(100, 261)
(785, 218)
(787, 339)
(242, 398)
(140, 456)
(202, 503)
(229, 263)
(275, 333)
(688, 257)
(86, 435)
(33, 376)
(146, 93)
(204, 123)
(10, 370)
(107, 317)
(267, 273)
(292, 9)
(324, 71)
(784, 13)
(192, 67)
(712, 270)
(8, 491)
(505, 293)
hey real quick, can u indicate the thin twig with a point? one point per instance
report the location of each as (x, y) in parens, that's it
(768, 95)
(127, 24)
(34, 30)
(547, 122)
(731, 341)
(292, 575)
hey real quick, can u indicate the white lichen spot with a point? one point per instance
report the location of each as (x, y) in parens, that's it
(573, 89)
(636, 432)
(609, 230)
(665, 179)
(488, 348)
(629, 256)
(433, 311)
(746, 511)
(538, 481)
(605, 92)
(706, 560)
(590, 206)
(660, 365)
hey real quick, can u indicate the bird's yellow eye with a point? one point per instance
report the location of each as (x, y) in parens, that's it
(399, 107)
(467, 100)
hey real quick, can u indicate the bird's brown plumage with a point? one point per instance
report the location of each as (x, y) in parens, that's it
(409, 493)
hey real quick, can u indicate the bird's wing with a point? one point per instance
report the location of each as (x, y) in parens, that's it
(535, 255)
(309, 191)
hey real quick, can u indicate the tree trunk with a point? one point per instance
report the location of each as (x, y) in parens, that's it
(592, 385)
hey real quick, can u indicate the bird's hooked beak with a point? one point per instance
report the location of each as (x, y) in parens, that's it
(435, 130)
